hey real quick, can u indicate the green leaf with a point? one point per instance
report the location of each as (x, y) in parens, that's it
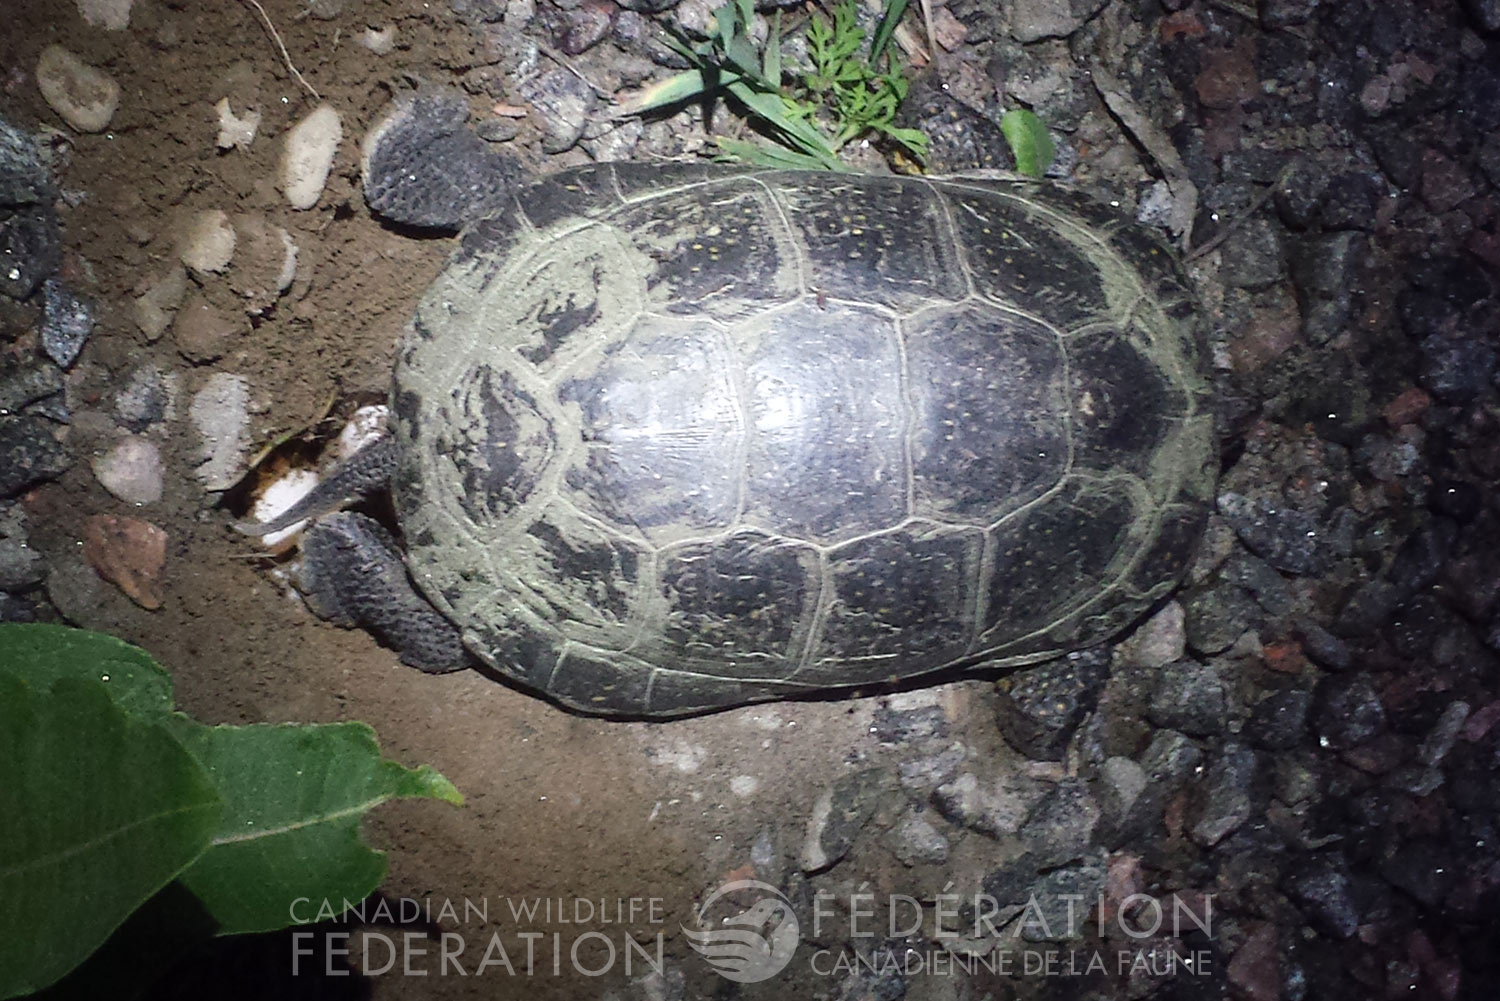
(685, 86)
(41, 654)
(889, 20)
(98, 811)
(1029, 141)
(294, 796)
(768, 156)
(772, 64)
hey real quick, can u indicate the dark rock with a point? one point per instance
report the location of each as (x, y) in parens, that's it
(1299, 194)
(1170, 760)
(1489, 153)
(994, 807)
(1062, 825)
(21, 565)
(648, 6)
(1444, 734)
(1226, 802)
(24, 177)
(30, 249)
(144, 399)
(1416, 626)
(1486, 13)
(20, 387)
(1322, 889)
(1121, 782)
(563, 103)
(1366, 609)
(1279, 721)
(1269, 588)
(1325, 649)
(1351, 201)
(924, 774)
(1349, 712)
(1456, 499)
(29, 454)
(1423, 868)
(1456, 369)
(1190, 697)
(850, 804)
(1253, 255)
(586, 25)
(1421, 557)
(1040, 707)
(1322, 270)
(67, 322)
(17, 608)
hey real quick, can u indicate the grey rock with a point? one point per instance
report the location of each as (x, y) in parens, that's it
(20, 565)
(1367, 609)
(1033, 20)
(1265, 584)
(1218, 614)
(1444, 734)
(839, 815)
(67, 321)
(1157, 642)
(914, 841)
(1456, 369)
(1486, 13)
(220, 413)
(1325, 649)
(898, 723)
(1284, 536)
(1253, 256)
(29, 454)
(920, 776)
(1295, 778)
(146, 399)
(1039, 708)
(25, 385)
(1322, 269)
(1489, 153)
(24, 177)
(994, 807)
(1279, 721)
(1190, 697)
(1121, 782)
(131, 470)
(1299, 195)
(1285, 13)
(1348, 712)
(1226, 803)
(563, 103)
(1352, 200)
(1058, 907)
(1061, 826)
(1322, 889)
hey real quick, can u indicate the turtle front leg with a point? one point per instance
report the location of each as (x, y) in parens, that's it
(352, 575)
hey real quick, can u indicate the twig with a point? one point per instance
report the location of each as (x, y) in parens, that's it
(1159, 146)
(932, 42)
(1239, 220)
(276, 37)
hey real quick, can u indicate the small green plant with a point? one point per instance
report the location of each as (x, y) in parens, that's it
(1029, 141)
(843, 98)
(108, 795)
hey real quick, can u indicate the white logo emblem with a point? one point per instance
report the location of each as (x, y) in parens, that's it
(749, 945)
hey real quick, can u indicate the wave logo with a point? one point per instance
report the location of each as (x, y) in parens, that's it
(752, 943)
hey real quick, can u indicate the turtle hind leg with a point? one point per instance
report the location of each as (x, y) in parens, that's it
(352, 575)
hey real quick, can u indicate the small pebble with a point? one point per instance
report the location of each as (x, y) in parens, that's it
(131, 470)
(67, 322)
(129, 553)
(308, 156)
(111, 15)
(202, 331)
(219, 412)
(83, 96)
(208, 242)
(380, 41)
(236, 131)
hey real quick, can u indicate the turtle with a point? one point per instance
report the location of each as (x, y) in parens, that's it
(670, 438)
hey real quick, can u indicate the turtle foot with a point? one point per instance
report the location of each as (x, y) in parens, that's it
(365, 471)
(421, 167)
(352, 575)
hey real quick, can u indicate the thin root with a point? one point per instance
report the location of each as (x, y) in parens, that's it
(276, 37)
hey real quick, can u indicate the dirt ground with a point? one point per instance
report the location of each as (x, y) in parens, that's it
(558, 806)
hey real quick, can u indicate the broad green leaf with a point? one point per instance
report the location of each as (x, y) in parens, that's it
(41, 654)
(98, 811)
(294, 796)
(771, 65)
(1028, 140)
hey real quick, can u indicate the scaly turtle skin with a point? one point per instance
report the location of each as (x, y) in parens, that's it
(675, 437)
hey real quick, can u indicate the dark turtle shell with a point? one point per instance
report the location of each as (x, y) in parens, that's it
(683, 437)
